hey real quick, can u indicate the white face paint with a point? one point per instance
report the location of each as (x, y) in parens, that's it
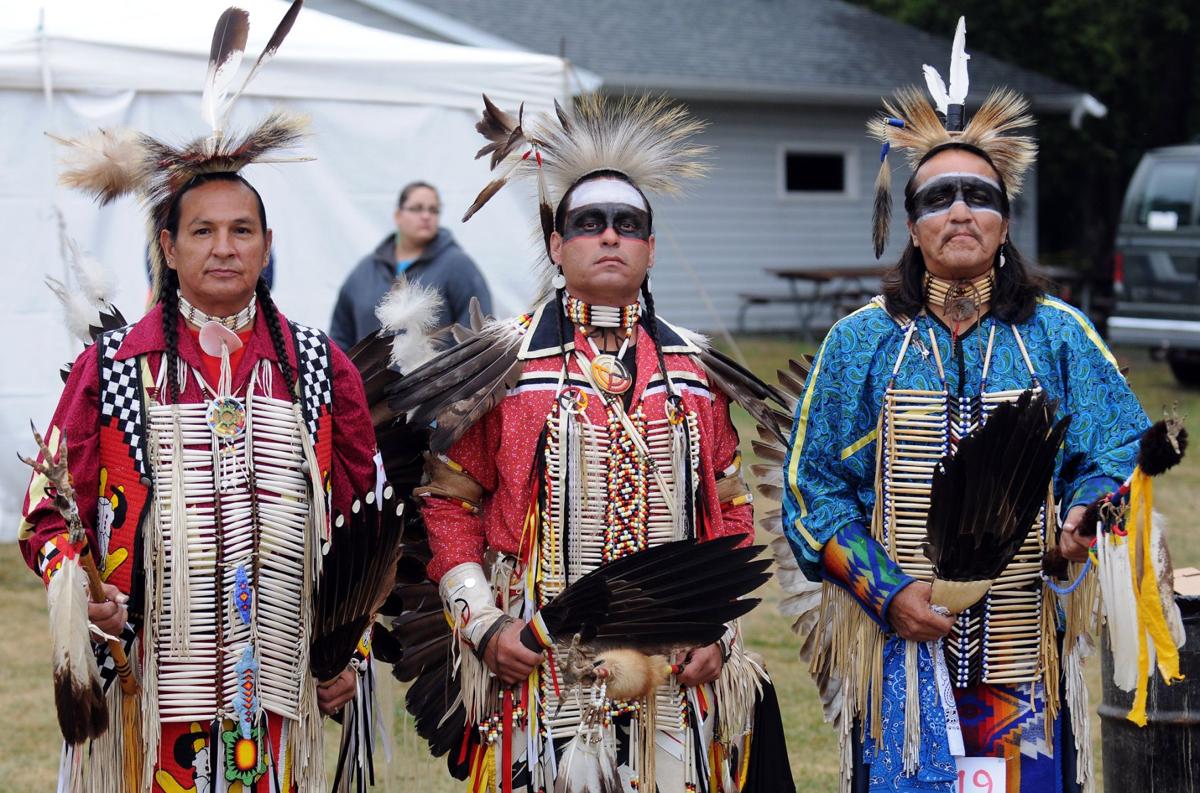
(938, 195)
(606, 191)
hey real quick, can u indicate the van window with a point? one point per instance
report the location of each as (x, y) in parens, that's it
(1166, 197)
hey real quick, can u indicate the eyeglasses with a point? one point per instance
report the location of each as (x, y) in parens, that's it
(423, 210)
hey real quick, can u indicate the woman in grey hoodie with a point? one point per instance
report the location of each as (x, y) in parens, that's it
(421, 251)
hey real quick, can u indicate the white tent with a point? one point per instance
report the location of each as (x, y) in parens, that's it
(386, 109)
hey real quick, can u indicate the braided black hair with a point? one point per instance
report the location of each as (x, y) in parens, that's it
(270, 315)
(170, 328)
(652, 329)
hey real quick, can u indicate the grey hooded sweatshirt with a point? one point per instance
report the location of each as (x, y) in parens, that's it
(443, 265)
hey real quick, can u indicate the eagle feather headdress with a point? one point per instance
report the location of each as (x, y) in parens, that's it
(910, 123)
(648, 139)
(110, 163)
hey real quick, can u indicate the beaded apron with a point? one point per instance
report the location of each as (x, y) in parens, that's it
(605, 482)
(1000, 638)
(232, 597)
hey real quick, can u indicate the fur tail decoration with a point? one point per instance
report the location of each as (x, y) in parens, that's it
(78, 697)
(105, 164)
(882, 225)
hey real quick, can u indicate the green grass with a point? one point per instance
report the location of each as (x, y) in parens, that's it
(29, 747)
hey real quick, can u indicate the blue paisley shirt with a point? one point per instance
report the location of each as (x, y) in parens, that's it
(830, 466)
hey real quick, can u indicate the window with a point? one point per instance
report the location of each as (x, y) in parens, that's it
(1165, 197)
(817, 171)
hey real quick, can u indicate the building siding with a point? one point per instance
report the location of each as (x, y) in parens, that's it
(719, 240)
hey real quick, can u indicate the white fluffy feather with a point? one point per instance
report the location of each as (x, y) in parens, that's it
(410, 312)
(97, 283)
(78, 312)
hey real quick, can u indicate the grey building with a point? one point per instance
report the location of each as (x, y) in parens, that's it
(786, 87)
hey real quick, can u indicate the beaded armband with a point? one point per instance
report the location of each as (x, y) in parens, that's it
(1091, 490)
(855, 561)
(52, 554)
(469, 603)
(731, 485)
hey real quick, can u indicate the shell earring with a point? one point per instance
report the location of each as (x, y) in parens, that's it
(559, 280)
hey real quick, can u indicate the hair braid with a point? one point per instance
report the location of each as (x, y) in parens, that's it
(170, 327)
(267, 306)
(652, 329)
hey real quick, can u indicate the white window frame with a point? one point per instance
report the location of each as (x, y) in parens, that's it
(850, 161)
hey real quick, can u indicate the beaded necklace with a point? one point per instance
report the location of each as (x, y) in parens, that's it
(587, 316)
(609, 372)
(960, 299)
(235, 322)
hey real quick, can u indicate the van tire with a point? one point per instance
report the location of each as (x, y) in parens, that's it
(1186, 371)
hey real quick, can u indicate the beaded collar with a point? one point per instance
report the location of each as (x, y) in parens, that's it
(961, 299)
(236, 322)
(587, 316)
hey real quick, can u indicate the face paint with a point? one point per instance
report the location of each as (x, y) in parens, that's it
(606, 190)
(943, 191)
(593, 219)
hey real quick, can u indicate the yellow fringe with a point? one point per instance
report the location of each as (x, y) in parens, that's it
(1149, 603)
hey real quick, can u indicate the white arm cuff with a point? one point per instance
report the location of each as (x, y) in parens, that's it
(467, 597)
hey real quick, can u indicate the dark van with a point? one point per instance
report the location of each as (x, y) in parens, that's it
(1156, 262)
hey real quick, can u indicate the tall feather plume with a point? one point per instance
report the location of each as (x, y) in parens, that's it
(281, 31)
(224, 58)
(959, 78)
(649, 139)
(106, 164)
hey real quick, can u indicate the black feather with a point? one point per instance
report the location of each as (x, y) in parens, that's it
(356, 574)
(648, 599)
(986, 496)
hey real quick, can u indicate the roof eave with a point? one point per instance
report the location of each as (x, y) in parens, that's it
(844, 96)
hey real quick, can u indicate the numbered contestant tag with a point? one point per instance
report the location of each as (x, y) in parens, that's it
(981, 775)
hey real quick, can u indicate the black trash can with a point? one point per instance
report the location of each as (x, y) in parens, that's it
(1163, 756)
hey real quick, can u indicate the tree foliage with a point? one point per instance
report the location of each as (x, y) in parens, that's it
(1141, 59)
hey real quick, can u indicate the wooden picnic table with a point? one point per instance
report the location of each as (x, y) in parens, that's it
(828, 286)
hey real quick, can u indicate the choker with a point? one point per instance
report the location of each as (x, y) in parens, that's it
(587, 316)
(961, 300)
(235, 323)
